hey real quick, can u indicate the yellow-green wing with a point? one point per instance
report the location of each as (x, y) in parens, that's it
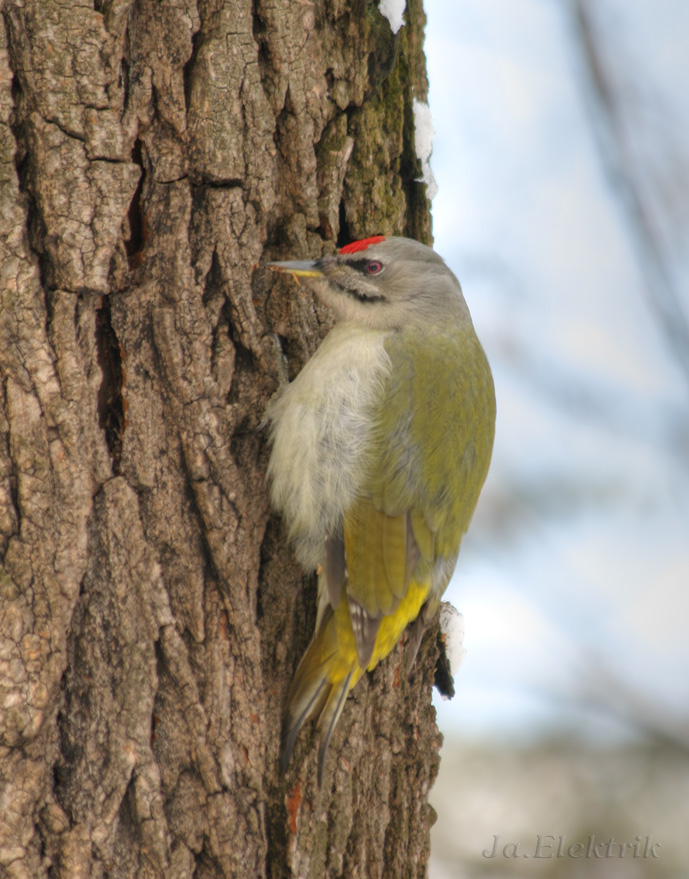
(428, 463)
(382, 555)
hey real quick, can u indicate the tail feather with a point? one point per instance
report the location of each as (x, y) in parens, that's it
(328, 718)
(292, 724)
(332, 665)
(322, 681)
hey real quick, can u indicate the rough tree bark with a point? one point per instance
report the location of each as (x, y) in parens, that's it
(151, 614)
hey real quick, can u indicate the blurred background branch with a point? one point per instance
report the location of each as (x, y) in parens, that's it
(648, 185)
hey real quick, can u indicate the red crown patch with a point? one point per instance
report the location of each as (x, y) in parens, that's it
(356, 246)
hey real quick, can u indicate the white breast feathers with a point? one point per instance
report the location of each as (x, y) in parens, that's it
(321, 429)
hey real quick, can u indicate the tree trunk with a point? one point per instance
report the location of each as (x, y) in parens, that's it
(152, 615)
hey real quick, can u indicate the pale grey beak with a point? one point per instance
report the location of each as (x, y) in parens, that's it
(302, 268)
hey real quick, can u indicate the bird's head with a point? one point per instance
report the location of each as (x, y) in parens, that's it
(386, 283)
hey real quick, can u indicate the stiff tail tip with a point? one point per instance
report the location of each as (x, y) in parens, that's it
(321, 697)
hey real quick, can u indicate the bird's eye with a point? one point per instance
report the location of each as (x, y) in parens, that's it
(374, 267)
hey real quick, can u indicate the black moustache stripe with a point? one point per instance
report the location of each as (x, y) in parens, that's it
(360, 296)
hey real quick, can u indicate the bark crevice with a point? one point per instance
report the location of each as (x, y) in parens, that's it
(111, 400)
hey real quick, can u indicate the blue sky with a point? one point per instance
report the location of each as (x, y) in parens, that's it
(590, 566)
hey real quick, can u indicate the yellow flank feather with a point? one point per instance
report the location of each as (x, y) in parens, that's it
(392, 626)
